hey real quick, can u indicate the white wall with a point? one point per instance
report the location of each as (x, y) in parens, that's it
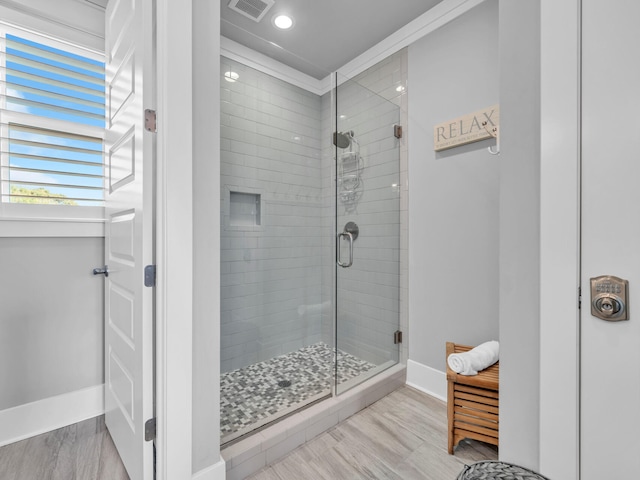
(205, 454)
(453, 199)
(474, 219)
(51, 318)
(51, 345)
(520, 232)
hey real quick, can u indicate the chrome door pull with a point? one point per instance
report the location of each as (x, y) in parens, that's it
(349, 237)
(101, 271)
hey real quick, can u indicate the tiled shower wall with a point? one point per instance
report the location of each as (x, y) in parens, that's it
(277, 277)
(271, 252)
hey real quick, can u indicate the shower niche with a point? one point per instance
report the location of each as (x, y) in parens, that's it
(244, 209)
(296, 328)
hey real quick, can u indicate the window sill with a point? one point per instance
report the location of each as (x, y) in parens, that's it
(18, 220)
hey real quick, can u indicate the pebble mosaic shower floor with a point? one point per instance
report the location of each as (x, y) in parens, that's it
(250, 396)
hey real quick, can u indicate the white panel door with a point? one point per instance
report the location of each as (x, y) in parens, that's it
(129, 233)
(610, 351)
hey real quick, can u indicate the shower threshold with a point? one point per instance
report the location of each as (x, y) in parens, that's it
(249, 454)
(251, 397)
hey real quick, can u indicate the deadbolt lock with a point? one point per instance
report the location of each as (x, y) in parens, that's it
(609, 298)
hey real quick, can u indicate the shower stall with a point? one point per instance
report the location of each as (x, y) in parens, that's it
(310, 242)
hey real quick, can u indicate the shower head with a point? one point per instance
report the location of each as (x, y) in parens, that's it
(342, 139)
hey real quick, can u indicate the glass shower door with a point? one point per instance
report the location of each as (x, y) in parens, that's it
(367, 233)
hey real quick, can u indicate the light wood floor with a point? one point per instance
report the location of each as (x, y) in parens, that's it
(83, 451)
(403, 436)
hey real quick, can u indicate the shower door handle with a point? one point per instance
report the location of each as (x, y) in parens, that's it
(349, 237)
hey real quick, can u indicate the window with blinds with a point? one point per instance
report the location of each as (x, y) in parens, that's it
(52, 118)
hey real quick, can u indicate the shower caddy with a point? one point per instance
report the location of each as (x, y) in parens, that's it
(350, 166)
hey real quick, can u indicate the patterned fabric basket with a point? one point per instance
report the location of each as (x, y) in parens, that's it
(490, 470)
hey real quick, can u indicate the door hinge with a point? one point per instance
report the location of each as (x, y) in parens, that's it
(150, 276)
(397, 337)
(397, 131)
(579, 298)
(150, 430)
(150, 120)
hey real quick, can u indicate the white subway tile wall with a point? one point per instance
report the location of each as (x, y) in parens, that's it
(278, 276)
(271, 269)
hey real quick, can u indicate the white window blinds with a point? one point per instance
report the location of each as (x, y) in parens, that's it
(51, 122)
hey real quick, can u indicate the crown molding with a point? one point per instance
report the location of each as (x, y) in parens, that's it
(265, 64)
(426, 23)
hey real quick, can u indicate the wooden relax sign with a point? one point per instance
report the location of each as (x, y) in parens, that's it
(469, 128)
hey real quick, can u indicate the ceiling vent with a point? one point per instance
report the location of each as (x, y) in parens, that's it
(254, 9)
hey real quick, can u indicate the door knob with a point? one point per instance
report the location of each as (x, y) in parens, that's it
(609, 296)
(608, 306)
(101, 271)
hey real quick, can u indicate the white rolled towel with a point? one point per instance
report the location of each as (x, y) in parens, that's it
(476, 359)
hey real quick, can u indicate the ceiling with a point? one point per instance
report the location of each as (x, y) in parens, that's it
(326, 34)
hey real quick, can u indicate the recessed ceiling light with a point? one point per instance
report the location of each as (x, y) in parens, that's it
(399, 88)
(283, 22)
(231, 76)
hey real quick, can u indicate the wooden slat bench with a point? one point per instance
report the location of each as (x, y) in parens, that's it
(472, 403)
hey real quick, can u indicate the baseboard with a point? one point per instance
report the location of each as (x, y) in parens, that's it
(427, 379)
(42, 416)
(217, 471)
